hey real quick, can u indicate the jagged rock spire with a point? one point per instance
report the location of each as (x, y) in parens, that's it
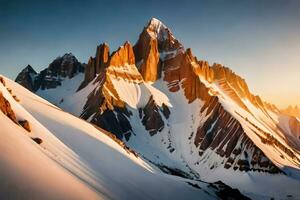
(65, 66)
(124, 55)
(62, 67)
(26, 78)
(155, 41)
(97, 64)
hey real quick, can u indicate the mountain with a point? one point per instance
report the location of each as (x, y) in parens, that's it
(27, 77)
(290, 120)
(50, 154)
(292, 111)
(66, 66)
(185, 116)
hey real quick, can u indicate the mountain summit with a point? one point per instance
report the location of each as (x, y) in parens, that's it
(51, 77)
(185, 116)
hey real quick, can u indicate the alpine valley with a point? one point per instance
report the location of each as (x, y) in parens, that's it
(146, 121)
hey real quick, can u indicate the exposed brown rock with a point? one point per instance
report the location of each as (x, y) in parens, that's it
(96, 65)
(102, 58)
(234, 86)
(124, 55)
(114, 121)
(229, 141)
(166, 111)
(27, 78)
(151, 117)
(25, 125)
(37, 140)
(108, 111)
(16, 98)
(179, 71)
(6, 109)
(66, 66)
(147, 56)
(166, 40)
(2, 81)
(155, 38)
(90, 71)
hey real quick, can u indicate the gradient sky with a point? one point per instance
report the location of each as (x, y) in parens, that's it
(259, 40)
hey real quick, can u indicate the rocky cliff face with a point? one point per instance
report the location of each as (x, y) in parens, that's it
(104, 101)
(155, 42)
(97, 64)
(27, 78)
(63, 67)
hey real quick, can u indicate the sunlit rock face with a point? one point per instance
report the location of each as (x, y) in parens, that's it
(97, 64)
(6, 109)
(155, 42)
(123, 56)
(181, 113)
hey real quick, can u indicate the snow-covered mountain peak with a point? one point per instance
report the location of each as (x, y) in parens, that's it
(66, 66)
(182, 114)
(157, 29)
(26, 77)
(69, 57)
(29, 69)
(66, 59)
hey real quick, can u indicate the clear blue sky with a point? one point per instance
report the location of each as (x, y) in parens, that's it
(258, 39)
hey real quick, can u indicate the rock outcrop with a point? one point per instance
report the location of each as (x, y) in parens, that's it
(27, 78)
(97, 64)
(6, 109)
(25, 125)
(155, 43)
(63, 67)
(147, 56)
(104, 102)
(123, 56)
(151, 117)
(37, 140)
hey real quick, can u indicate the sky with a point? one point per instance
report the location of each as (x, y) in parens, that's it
(258, 39)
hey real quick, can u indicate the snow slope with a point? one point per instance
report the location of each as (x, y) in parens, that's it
(80, 161)
(23, 163)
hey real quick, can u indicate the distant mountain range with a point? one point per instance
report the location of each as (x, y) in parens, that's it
(180, 115)
(292, 111)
